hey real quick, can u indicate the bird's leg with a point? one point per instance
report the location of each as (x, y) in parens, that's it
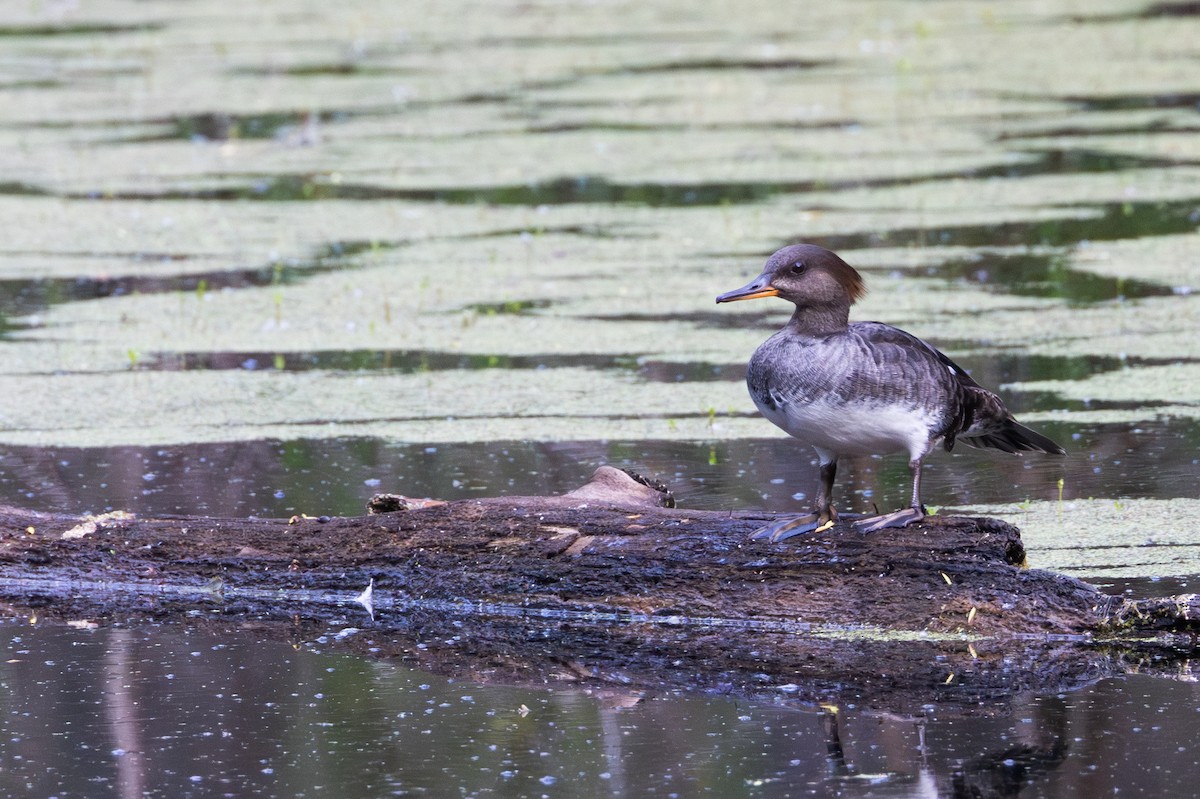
(823, 514)
(900, 518)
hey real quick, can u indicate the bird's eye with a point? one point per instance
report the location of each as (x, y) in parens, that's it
(798, 268)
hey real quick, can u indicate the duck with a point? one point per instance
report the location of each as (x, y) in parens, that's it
(861, 388)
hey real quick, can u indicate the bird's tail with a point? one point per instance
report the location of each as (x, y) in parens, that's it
(1010, 436)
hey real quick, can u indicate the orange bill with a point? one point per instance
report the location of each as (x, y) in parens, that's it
(759, 287)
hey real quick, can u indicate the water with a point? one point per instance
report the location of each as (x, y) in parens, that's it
(202, 709)
(272, 259)
(338, 476)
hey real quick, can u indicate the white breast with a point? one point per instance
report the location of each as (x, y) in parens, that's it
(854, 428)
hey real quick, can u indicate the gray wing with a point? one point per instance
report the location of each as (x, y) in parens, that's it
(972, 413)
(870, 362)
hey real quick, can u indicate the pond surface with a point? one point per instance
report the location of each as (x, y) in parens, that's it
(197, 710)
(273, 258)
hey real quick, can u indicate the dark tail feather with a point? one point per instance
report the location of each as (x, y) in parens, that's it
(1013, 437)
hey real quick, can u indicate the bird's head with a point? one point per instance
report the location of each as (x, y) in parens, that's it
(806, 275)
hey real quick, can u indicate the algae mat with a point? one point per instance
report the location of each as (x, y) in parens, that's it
(570, 186)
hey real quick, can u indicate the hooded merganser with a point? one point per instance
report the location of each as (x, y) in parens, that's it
(863, 388)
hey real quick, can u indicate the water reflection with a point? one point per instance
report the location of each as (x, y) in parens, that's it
(1044, 275)
(26, 296)
(198, 709)
(596, 189)
(991, 368)
(1115, 220)
(337, 476)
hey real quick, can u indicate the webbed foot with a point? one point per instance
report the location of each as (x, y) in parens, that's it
(783, 529)
(900, 518)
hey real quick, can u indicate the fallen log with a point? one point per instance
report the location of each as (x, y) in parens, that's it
(611, 579)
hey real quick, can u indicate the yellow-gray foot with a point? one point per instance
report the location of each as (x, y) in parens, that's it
(783, 529)
(900, 518)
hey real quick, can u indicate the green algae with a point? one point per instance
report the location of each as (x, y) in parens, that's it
(1098, 539)
(152, 407)
(576, 207)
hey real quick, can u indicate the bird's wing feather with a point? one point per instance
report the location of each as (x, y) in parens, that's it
(974, 414)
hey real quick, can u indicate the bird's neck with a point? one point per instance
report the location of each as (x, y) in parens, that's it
(820, 320)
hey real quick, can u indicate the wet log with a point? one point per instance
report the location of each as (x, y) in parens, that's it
(611, 578)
